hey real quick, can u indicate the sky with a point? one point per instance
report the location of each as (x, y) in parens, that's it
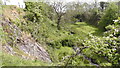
(14, 2)
(85, 0)
(19, 3)
(88, 1)
(66, 0)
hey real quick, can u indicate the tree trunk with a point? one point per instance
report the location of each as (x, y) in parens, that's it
(58, 23)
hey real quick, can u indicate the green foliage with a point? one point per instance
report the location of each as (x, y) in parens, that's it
(63, 42)
(79, 61)
(34, 11)
(113, 30)
(102, 51)
(109, 15)
(97, 50)
(63, 52)
(37, 11)
(94, 17)
(105, 50)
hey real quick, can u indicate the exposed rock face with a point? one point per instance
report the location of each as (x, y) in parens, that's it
(21, 43)
(28, 45)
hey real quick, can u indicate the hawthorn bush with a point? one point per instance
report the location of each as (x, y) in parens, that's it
(105, 51)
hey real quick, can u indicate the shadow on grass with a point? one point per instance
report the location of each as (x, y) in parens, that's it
(98, 33)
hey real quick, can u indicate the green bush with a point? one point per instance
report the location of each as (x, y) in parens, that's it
(109, 15)
(38, 11)
(105, 50)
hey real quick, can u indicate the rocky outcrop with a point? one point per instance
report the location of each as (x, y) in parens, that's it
(33, 49)
(20, 43)
(25, 43)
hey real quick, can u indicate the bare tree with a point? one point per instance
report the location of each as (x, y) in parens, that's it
(59, 8)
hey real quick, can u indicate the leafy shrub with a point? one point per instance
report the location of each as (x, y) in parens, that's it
(67, 42)
(105, 50)
(38, 11)
(63, 42)
(109, 15)
(114, 30)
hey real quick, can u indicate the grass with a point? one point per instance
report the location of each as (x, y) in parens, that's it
(9, 60)
(81, 30)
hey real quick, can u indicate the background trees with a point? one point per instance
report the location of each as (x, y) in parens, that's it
(74, 12)
(59, 8)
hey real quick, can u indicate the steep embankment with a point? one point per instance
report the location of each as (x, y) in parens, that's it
(17, 42)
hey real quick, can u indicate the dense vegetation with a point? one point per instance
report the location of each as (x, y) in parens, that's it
(87, 36)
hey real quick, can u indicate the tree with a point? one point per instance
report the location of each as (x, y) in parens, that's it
(109, 15)
(37, 11)
(59, 8)
(76, 12)
(103, 5)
